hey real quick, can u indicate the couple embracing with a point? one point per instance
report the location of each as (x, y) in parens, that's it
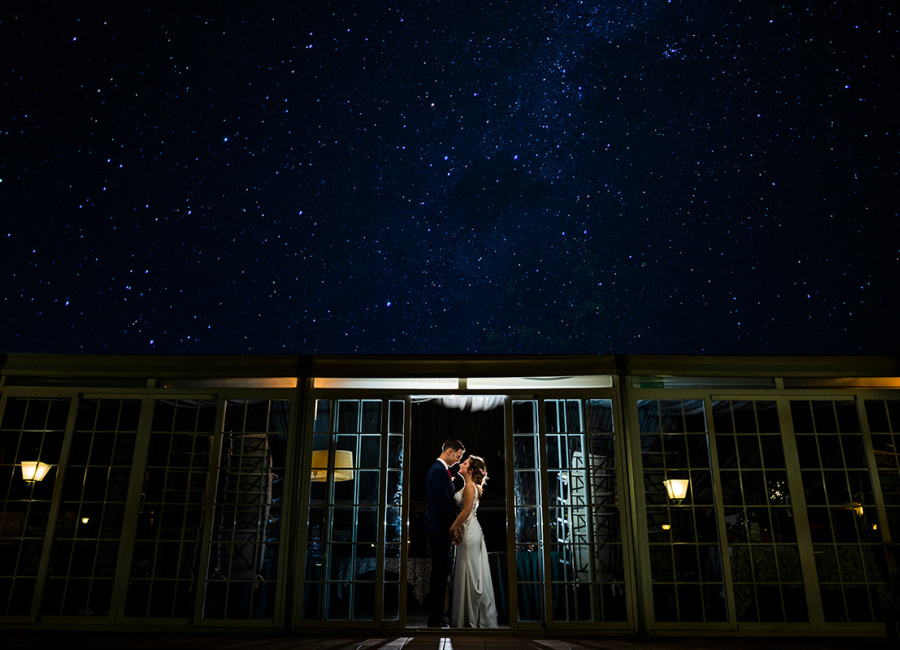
(450, 522)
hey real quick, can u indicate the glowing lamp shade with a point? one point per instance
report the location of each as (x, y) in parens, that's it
(676, 488)
(33, 470)
(343, 466)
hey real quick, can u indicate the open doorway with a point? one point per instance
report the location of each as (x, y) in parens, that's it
(478, 422)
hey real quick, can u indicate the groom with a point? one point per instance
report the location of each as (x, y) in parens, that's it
(439, 515)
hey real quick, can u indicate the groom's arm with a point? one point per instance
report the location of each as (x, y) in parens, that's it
(449, 503)
(440, 496)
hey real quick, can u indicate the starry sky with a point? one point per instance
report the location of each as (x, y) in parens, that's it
(448, 177)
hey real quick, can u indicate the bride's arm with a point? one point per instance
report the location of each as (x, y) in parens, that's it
(468, 500)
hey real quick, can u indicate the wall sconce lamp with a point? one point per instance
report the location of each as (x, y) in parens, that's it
(33, 470)
(85, 520)
(676, 488)
(343, 466)
(667, 526)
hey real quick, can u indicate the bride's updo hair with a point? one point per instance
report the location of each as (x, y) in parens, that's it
(477, 471)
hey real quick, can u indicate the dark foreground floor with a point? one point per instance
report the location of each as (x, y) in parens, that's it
(407, 640)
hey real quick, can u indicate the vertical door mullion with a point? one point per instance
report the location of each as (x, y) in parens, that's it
(285, 538)
(511, 541)
(719, 505)
(132, 512)
(53, 514)
(626, 478)
(629, 511)
(380, 536)
(354, 554)
(299, 450)
(641, 534)
(875, 479)
(328, 537)
(212, 481)
(404, 510)
(591, 508)
(329, 513)
(798, 503)
(544, 510)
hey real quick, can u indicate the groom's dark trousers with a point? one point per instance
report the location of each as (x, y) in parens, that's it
(439, 515)
(440, 571)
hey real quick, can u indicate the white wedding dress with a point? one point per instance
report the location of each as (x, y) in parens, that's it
(472, 597)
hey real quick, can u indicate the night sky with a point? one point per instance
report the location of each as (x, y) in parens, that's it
(666, 176)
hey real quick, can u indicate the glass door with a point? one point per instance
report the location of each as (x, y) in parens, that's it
(354, 556)
(569, 560)
(685, 581)
(762, 511)
(244, 523)
(758, 501)
(89, 521)
(169, 534)
(844, 525)
(32, 433)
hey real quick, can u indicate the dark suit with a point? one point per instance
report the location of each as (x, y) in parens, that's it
(439, 515)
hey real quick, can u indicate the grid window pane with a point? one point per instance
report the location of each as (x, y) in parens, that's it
(686, 560)
(166, 564)
(31, 431)
(758, 519)
(91, 514)
(524, 415)
(527, 503)
(849, 555)
(244, 548)
(355, 512)
(583, 512)
(884, 422)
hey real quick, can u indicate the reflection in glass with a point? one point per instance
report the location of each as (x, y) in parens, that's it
(850, 560)
(322, 416)
(89, 523)
(527, 501)
(524, 416)
(525, 454)
(346, 531)
(761, 536)
(527, 527)
(586, 563)
(167, 550)
(526, 483)
(685, 556)
(241, 576)
(883, 416)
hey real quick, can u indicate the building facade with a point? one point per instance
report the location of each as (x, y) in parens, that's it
(626, 493)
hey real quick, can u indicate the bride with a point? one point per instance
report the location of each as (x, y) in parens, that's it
(473, 594)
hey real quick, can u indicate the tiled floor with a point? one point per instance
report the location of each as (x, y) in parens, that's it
(431, 640)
